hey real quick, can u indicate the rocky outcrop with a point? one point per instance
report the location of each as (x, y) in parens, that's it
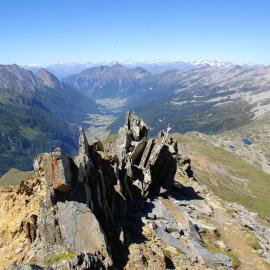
(83, 234)
(150, 163)
(98, 208)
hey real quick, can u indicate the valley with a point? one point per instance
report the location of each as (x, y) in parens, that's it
(212, 109)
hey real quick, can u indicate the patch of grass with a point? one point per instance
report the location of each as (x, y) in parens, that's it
(214, 249)
(183, 180)
(167, 253)
(230, 211)
(14, 177)
(253, 242)
(59, 257)
(209, 239)
(235, 261)
(179, 251)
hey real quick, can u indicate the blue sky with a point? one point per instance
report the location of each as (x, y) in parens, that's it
(57, 31)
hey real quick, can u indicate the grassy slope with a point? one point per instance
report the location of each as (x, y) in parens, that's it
(258, 132)
(227, 175)
(14, 177)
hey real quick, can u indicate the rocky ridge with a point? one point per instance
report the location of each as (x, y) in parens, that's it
(118, 208)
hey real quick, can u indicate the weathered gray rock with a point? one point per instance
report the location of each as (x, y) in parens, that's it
(156, 159)
(184, 167)
(80, 229)
(147, 152)
(162, 164)
(134, 130)
(170, 240)
(83, 261)
(203, 254)
(137, 127)
(252, 222)
(137, 153)
(82, 160)
(193, 233)
(162, 216)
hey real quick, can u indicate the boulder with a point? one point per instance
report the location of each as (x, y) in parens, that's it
(80, 230)
(162, 164)
(57, 168)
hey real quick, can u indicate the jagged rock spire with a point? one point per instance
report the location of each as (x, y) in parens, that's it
(83, 143)
(136, 126)
(134, 130)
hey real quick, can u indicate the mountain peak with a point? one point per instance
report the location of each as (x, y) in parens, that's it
(16, 79)
(47, 79)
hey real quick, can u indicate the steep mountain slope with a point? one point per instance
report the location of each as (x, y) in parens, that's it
(226, 174)
(36, 112)
(249, 142)
(210, 99)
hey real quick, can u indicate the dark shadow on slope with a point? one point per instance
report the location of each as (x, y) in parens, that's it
(184, 193)
(169, 264)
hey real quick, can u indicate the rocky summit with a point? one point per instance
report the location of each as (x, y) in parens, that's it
(116, 206)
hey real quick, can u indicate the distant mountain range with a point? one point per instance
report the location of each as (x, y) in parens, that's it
(38, 110)
(68, 69)
(209, 98)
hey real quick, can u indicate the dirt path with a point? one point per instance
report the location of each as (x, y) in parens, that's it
(234, 238)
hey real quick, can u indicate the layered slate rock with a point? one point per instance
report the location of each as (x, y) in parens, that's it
(130, 135)
(83, 234)
(150, 163)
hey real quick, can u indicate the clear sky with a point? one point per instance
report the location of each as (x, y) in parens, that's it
(57, 31)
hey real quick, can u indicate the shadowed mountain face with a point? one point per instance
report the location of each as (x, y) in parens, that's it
(36, 112)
